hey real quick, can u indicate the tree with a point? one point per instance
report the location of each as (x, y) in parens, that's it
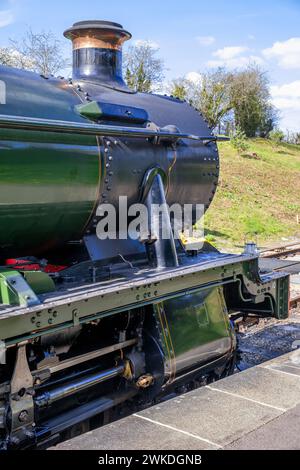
(270, 119)
(144, 72)
(210, 95)
(292, 137)
(250, 100)
(38, 52)
(213, 99)
(5, 56)
(12, 58)
(181, 89)
(297, 138)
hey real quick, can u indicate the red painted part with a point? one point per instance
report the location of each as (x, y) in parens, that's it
(27, 265)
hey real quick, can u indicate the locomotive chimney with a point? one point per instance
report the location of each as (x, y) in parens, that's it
(97, 51)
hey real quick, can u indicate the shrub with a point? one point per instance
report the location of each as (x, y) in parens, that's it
(276, 136)
(238, 140)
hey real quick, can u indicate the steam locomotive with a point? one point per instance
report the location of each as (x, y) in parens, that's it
(90, 327)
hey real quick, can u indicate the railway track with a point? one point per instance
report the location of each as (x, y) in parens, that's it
(263, 339)
(281, 251)
(285, 257)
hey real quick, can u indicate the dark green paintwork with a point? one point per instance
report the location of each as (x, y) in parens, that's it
(48, 181)
(48, 188)
(90, 110)
(40, 282)
(196, 319)
(194, 327)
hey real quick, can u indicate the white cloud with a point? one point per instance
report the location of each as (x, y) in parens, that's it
(287, 103)
(228, 53)
(287, 53)
(142, 42)
(286, 98)
(234, 57)
(194, 77)
(205, 40)
(236, 62)
(6, 18)
(287, 90)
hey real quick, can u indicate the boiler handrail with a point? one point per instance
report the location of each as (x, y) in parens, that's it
(53, 125)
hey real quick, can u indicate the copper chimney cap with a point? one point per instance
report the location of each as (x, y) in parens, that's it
(97, 34)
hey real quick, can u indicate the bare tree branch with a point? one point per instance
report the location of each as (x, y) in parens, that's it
(144, 72)
(38, 52)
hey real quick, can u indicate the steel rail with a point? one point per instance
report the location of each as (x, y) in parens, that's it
(280, 250)
(70, 127)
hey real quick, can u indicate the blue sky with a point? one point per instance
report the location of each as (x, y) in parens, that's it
(192, 35)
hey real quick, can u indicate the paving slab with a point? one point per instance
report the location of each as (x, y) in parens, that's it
(217, 417)
(264, 385)
(134, 433)
(280, 434)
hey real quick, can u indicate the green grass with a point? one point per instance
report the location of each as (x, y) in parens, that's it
(258, 195)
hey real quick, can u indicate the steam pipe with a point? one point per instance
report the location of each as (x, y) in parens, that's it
(160, 245)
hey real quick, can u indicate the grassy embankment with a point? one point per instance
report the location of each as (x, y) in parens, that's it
(258, 193)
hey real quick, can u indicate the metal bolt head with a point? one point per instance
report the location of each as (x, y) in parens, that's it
(23, 416)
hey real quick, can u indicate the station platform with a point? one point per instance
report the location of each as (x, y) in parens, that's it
(258, 408)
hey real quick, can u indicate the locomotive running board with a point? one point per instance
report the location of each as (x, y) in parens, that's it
(82, 304)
